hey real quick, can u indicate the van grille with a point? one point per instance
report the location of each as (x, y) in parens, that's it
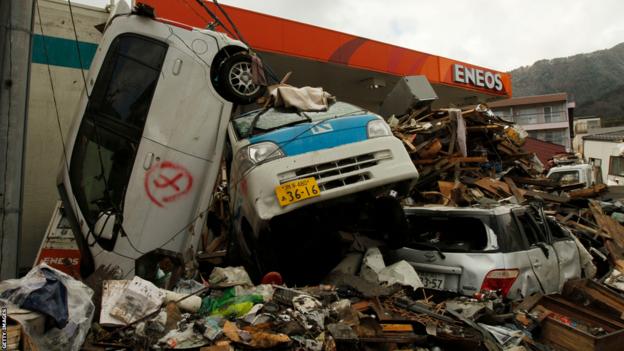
(335, 174)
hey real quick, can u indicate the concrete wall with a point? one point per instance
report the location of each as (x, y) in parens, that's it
(43, 141)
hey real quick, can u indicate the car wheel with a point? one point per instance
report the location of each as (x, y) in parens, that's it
(235, 80)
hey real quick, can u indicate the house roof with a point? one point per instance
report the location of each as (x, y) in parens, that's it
(616, 135)
(530, 100)
(544, 150)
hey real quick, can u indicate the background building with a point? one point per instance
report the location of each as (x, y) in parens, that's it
(544, 117)
(606, 149)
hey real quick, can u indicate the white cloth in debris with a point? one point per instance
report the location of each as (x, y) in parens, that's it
(303, 99)
(374, 270)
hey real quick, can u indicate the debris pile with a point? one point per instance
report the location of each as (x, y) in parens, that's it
(473, 157)
(227, 312)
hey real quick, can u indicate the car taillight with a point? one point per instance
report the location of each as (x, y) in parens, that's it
(500, 279)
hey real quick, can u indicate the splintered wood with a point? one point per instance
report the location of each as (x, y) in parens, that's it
(454, 147)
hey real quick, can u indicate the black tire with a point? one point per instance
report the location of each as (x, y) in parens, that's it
(235, 81)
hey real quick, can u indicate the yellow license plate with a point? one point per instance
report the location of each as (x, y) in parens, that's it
(297, 190)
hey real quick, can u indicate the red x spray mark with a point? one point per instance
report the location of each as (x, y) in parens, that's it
(166, 182)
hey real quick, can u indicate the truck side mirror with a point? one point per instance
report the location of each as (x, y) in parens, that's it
(105, 225)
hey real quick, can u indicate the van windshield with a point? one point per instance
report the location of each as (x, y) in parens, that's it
(448, 233)
(113, 122)
(275, 118)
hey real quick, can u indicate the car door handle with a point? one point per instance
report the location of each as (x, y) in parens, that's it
(147, 161)
(537, 264)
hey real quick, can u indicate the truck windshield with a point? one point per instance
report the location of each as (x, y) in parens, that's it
(275, 118)
(565, 177)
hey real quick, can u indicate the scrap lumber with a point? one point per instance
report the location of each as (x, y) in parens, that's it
(494, 187)
(606, 224)
(514, 190)
(446, 188)
(431, 150)
(589, 192)
(546, 196)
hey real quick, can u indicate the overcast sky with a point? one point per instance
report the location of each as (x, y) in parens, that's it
(498, 34)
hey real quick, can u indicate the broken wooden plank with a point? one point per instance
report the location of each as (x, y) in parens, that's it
(607, 224)
(534, 194)
(494, 187)
(589, 192)
(431, 150)
(616, 255)
(445, 188)
(470, 159)
(514, 190)
(426, 161)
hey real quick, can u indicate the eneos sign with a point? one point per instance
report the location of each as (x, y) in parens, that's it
(477, 77)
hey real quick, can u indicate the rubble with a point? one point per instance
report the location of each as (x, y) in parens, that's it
(53, 309)
(474, 158)
(467, 158)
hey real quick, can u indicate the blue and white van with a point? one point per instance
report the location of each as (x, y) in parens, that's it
(283, 160)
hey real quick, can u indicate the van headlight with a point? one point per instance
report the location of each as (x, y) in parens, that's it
(378, 128)
(255, 154)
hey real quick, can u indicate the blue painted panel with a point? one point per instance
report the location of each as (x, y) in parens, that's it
(308, 137)
(62, 52)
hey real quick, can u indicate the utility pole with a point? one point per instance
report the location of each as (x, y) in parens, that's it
(15, 44)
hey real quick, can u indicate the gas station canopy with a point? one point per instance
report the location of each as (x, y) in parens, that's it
(355, 69)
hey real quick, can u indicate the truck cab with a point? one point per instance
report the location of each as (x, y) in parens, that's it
(145, 148)
(574, 174)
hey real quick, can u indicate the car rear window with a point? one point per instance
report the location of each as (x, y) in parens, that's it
(448, 233)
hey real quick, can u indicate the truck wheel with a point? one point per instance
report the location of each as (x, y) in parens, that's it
(236, 81)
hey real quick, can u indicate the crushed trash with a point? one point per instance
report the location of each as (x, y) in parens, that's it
(53, 309)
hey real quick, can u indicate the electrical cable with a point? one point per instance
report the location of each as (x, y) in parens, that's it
(214, 17)
(56, 110)
(204, 19)
(116, 210)
(267, 68)
(101, 161)
(293, 139)
(238, 35)
(57, 114)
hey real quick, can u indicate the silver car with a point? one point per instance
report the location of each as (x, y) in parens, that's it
(513, 249)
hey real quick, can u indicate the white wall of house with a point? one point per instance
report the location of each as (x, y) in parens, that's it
(602, 150)
(44, 150)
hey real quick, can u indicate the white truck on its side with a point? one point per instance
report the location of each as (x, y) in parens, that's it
(576, 173)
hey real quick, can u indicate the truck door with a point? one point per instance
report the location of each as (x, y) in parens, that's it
(540, 252)
(616, 170)
(109, 134)
(179, 158)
